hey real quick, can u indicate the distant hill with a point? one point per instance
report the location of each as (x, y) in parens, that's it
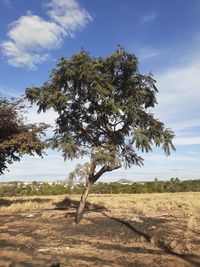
(124, 181)
(127, 181)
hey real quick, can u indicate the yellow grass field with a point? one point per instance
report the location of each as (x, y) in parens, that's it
(117, 230)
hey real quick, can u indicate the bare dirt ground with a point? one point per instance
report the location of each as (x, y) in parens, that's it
(117, 230)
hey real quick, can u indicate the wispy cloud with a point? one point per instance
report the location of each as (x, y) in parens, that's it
(194, 153)
(51, 167)
(184, 125)
(31, 37)
(190, 140)
(68, 15)
(173, 157)
(49, 117)
(148, 17)
(6, 92)
(7, 3)
(145, 53)
(179, 98)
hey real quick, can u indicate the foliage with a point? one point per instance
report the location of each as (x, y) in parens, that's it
(17, 137)
(79, 174)
(103, 111)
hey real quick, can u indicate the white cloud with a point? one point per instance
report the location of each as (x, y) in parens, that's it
(68, 15)
(148, 18)
(179, 98)
(31, 38)
(31, 32)
(17, 57)
(49, 117)
(179, 90)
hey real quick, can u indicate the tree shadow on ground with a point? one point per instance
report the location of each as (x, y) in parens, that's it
(192, 259)
(68, 204)
(161, 243)
(7, 262)
(5, 202)
(8, 202)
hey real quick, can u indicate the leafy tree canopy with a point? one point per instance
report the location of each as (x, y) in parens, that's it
(103, 110)
(17, 137)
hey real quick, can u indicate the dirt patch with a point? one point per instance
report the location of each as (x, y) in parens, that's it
(48, 237)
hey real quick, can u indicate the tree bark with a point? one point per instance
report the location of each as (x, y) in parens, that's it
(79, 213)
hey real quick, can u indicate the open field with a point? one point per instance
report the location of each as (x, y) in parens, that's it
(117, 230)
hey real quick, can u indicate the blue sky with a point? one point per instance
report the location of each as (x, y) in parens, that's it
(164, 35)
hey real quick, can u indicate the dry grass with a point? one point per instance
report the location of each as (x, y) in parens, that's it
(184, 205)
(149, 204)
(36, 228)
(122, 204)
(22, 204)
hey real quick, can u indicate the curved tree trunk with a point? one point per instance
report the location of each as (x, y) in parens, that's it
(79, 213)
(91, 180)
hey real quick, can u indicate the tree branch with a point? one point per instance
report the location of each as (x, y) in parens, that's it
(106, 168)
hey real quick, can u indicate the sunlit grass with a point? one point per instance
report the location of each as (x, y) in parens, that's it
(186, 205)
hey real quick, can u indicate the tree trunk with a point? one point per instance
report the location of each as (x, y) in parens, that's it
(79, 213)
(91, 180)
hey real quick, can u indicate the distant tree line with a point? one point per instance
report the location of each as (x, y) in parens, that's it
(44, 189)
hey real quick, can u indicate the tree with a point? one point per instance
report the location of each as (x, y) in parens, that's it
(103, 112)
(17, 137)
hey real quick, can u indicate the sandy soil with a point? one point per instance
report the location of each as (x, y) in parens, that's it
(48, 237)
